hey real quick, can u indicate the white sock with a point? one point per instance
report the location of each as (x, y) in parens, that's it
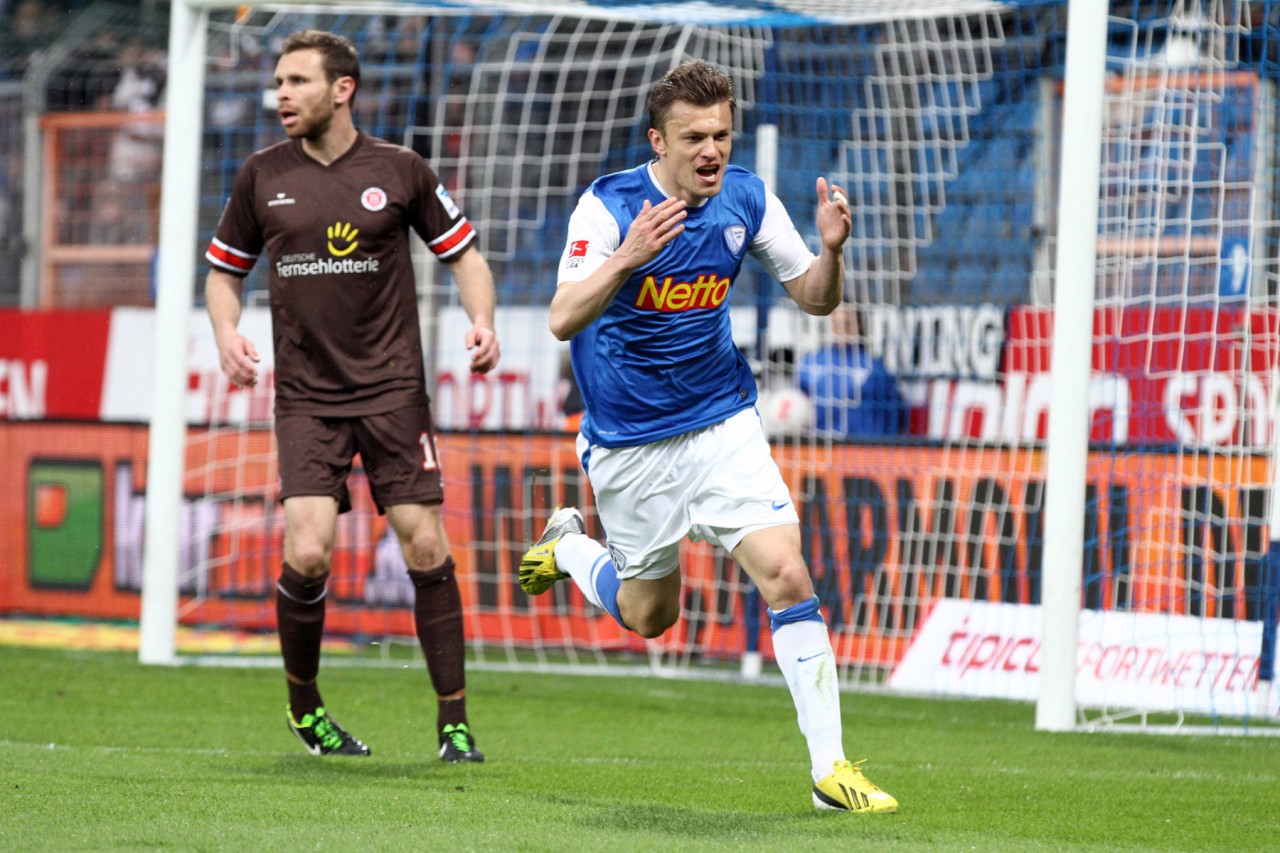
(579, 556)
(803, 650)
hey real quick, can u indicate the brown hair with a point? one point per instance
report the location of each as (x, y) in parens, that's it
(338, 55)
(698, 83)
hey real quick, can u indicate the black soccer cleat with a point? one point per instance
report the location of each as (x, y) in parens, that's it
(322, 735)
(457, 745)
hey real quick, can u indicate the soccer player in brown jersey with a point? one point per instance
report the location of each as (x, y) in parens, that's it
(332, 209)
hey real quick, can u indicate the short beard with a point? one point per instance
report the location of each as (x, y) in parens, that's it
(309, 131)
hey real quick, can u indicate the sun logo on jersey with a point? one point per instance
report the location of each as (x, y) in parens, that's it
(342, 232)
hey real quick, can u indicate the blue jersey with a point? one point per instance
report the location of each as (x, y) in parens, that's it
(661, 360)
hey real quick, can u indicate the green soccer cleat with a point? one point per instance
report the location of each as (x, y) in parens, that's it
(457, 745)
(846, 789)
(538, 572)
(322, 735)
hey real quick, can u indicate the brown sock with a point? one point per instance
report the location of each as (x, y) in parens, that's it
(300, 622)
(437, 616)
(451, 712)
(303, 699)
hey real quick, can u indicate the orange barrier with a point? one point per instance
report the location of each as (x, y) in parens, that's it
(887, 531)
(100, 198)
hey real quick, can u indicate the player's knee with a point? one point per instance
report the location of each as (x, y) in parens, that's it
(794, 578)
(421, 550)
(310, 560)
(651, 629)
(789, 584)
(654, 621)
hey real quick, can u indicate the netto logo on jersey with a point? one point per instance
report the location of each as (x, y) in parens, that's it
(343, 233)
(705, 292)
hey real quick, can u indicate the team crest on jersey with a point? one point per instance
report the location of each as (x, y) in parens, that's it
(619, 559)
(447, 200)
(374, 199)
(735, 236)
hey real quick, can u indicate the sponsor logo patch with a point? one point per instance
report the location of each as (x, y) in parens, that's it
(342, 239)
(706, 292)
(447, 200)
(281, 198)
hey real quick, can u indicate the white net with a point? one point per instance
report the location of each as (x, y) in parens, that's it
(917, 463)
(1175, 588)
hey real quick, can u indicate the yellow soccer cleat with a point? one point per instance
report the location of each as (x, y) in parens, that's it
(538, 571)
(846, 789)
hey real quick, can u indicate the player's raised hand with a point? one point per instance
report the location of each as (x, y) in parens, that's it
(653, 228)
(238, 358)
(578, 303)
(835, 221)
(485, 352)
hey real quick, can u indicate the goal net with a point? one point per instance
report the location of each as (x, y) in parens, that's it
(918, 464)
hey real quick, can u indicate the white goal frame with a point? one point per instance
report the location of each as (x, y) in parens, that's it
(1073, 297)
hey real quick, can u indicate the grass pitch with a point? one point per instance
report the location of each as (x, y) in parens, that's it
(98, 752)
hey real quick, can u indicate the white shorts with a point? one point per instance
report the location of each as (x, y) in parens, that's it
(716, 484)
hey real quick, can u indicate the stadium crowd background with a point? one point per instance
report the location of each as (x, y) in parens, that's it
(108, 56)
(113, 60)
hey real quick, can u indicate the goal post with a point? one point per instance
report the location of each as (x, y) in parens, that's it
(1064, 262)
(1072, 322)
(184, 120)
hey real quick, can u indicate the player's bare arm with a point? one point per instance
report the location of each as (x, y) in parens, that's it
(577, 304)
(819, 290)
(236, 354)
(476, 292)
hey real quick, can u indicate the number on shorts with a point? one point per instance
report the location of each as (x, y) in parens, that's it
(429, 462)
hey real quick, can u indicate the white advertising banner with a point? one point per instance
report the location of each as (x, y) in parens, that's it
(526, 391)
(211, 399)
(1150, 661)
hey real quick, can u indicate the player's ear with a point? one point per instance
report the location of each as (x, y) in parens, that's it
(658, 143)
(344, 89)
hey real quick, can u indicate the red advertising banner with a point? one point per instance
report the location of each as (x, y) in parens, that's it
(52, 363)
(1162, 376)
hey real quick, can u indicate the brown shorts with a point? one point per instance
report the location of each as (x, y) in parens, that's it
(398, 450)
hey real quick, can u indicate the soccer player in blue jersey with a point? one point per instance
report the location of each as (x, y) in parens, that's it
(670, 439)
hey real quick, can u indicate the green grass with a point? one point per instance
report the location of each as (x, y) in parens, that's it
(98, 752)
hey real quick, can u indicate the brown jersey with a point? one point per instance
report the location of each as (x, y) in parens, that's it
(344, 308)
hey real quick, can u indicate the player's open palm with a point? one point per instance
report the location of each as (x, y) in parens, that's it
(653, 228)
